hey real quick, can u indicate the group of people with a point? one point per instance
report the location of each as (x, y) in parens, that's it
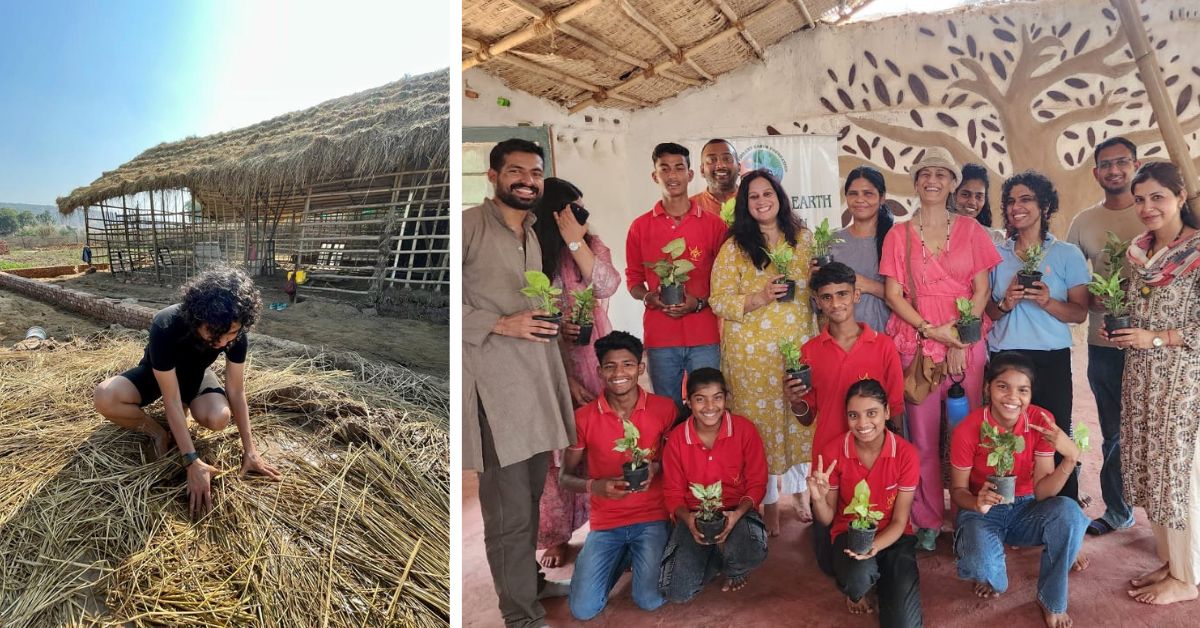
(547, 419)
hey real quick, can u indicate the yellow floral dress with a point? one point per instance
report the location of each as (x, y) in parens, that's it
(750, 356)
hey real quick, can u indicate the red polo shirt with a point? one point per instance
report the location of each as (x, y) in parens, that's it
(736, 459)
(597, 427)
(873, 356)
(896, 469)
(703, 234)
(707, 202)
(967, 453)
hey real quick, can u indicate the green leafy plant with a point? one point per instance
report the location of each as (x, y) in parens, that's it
(1110, 292)
(1001, 446)
(860, 508)
(671, 270)
(823, 239)
(583, 307)
(537, 286)
(628, 444)
(1033, 259)
(1114, 253)
(727, 210)
(710, 499)
(782, 258)
(791, 354)
(1082, 438)
(965, 314)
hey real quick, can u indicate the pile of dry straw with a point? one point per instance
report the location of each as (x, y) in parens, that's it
(92, 532)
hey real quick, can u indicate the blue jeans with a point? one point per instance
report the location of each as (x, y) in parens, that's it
(605, 555)
(1056, 523)
(1106, 367)
(668, 364)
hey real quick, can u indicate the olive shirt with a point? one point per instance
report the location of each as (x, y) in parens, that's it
(1089, 231)
(520, 384)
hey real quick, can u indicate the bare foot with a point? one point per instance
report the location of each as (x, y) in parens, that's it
(803, 510)
(1151, 577)
(1055, 620)
(861, 607)
(1085, 500)
(771, 518)
(1081, 563)
(734, 584)
(552, 558)
(985, 590)
(1166, 591)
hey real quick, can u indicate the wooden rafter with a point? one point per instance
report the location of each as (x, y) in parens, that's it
(803, 9)
(733, 20)
(547, 24)
(653, 29)
(596, 91)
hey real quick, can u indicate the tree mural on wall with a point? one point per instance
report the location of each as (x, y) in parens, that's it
(1012, 96)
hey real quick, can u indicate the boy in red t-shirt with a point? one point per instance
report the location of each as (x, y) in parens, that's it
(627, 527)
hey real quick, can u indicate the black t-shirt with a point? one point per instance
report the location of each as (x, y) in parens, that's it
(173, 345)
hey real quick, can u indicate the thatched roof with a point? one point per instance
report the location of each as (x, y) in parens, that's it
(403, 125)
(628, 53)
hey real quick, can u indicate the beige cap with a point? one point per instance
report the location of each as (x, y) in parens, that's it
(939, 157)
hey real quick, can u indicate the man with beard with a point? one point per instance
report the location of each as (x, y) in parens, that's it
(719, 167)
(1116, 161)
(516, 403)
(217, 310)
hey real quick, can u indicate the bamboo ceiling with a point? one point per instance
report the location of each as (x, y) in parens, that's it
(628, 54)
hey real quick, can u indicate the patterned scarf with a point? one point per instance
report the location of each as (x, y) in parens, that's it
(1180, 258)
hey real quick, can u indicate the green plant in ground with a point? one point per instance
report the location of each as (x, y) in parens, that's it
(1001, 446)
(727, 210)
(1033, 259)
(583, 307)
(710, 499)
(628, 444)
(791, 354)
(782, 258)
(966, 315)
(1111, 294)
(859, 508)
(823, 239)
(671, 270)
(537, 286)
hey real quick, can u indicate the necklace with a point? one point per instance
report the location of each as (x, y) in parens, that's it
(921, 231)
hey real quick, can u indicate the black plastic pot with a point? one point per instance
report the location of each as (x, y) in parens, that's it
(672, 295)
(1025, 280)
(860, 541)
(556, 319)
(1113, 323)
(823, 260)
(636, 478)
(970, 332)
(585, 334)
(790, 295)
(709, 529)
(804, 374)
(1006, 487)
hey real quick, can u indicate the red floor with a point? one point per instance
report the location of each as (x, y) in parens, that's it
(789, 589)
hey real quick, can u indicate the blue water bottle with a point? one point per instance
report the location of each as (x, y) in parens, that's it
(957, 405)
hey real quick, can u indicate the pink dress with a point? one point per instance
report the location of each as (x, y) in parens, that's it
(563, 512)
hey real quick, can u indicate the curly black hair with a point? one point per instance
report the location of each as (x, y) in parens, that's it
(745, 231)
(219, 298)
(1047, 199)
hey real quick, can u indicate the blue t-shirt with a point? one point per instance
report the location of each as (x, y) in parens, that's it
(1028, 326)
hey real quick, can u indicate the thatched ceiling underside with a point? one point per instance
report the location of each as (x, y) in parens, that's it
(404, 125)
(628, 54)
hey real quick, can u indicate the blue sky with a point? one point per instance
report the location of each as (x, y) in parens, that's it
(86, 85)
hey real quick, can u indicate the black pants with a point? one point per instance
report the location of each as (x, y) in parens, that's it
(822, 547)
(1052, 390)
(893, 571)
(687, 566)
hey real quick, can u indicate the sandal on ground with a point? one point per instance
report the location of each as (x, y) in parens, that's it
(1099, 527)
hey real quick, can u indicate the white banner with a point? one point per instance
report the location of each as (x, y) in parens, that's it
(806, 165)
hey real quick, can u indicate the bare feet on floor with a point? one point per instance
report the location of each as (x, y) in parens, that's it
(771, 518)
(554, 557)
(1151, 577)
(1081, 563)
(734, 584)
(803, 510)
(1165, 591)
(864, 606)
(984, 590)
(1055, 620)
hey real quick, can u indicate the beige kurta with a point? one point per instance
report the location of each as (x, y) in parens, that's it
(520, 384)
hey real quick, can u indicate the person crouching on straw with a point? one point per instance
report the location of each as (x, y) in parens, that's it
(218, 308)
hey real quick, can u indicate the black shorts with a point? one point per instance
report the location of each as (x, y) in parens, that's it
(191, 385)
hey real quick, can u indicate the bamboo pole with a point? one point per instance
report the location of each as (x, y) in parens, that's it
(541, 27)
(1156, 91)
(803, 9)
(596, 91)
(653, 29)
(732, 17)
(154, 235)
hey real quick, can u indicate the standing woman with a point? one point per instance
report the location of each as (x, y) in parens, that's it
(949, 258)
(971, 199)
(745, 296)
(862, 242)
(1036, 321)
(573, 258)
(1160, 399)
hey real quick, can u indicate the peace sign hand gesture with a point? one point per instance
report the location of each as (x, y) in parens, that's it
(1053, 434)
(818, 480)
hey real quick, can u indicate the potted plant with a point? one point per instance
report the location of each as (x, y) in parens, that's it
(792, 365)
(1031, 266)
(781, 258)
(1002, 446)
(537, 286)
(583, 311)
(672, 272)
(1114, 251)
(1112, 295)
(710, 519)
(823, 241)
(969, 326)
(637, 470)
(864, 522)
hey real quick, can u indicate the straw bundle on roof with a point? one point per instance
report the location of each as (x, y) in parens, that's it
(357, 532)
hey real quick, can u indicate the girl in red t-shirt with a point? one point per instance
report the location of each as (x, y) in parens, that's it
(888, 464)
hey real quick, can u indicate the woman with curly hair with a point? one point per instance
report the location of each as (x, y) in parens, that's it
(217, 310)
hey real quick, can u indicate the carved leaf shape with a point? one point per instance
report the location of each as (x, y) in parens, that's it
(1001, 167)
(971, 132)
(1083, 39)
(832, 75)
(1042, 113)
(954, 70)
(843, 132)
(989, 125)
(1037, 103)
(1185, 98)
(772, 130)
(846, 147)
(918, 89)
(947, 120)
(871, 59)
(953, 28)
(926, 32)
(1138, 93)
(1171, 80)
(916, 118)
(1008, 20)
(866, 104)
(828, 105)
(864, 147)
(899, 97)
(1091, 137)
(1160, 45)
(1134, 105)
(1153, 150)
(1079, 155)
(1196, 70)
(881, 91)
(921, 155)
(875, 142)
(1004, 35)
(955, 50)
(983, 150)
(853, 72)
(889, 158)
(1071, 135)
(1057, 96)
(1009, 55)
(845, 98)
(999, 148)
(958, 101)
(892, 66)
(1114, 122)
(1077, 83)
(1109, 14)
(934, 72)
(1067, 157)
(971, 45)
(1066, 28)
(906, 150)
(998, 65)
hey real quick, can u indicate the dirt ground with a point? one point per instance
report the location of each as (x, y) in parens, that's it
(418, 345)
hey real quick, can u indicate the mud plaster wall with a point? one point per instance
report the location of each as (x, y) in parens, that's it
(1016, 86)
(84, 303)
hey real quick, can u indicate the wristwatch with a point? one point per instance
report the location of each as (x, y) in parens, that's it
(189, 458)
(700, 303)
(574, 246)
(1157, 342)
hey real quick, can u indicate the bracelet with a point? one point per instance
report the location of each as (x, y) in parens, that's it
(1000, 306)
(922, 326)
(807, 409)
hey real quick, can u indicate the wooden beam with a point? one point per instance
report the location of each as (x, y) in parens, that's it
(596, 90)
(474, 45)
(732, 18)
(803, 9)
(604, 48)
(653, 29)
(539, 28)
